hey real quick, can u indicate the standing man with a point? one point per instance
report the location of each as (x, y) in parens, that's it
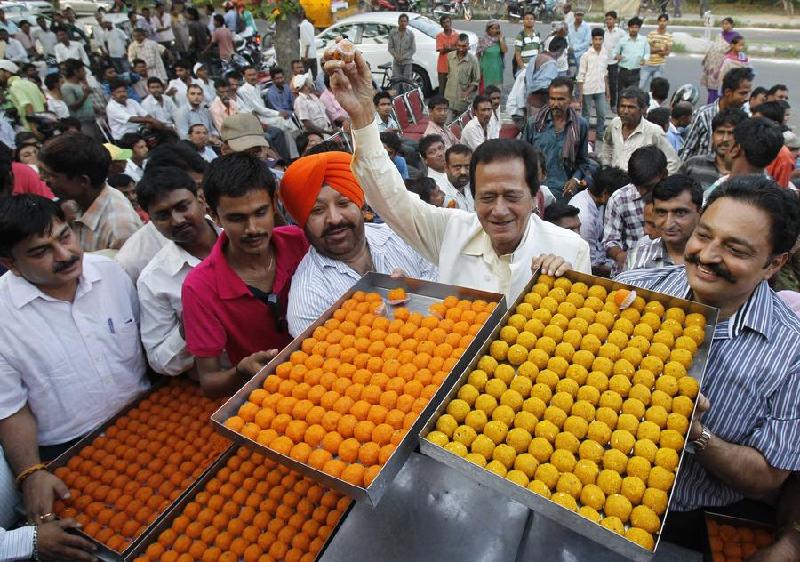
(45, 36)
(706, 169)
(308, 47)
(402, 48)
(77, 94)
(527, 44)
(198, 34)
(677, 202)
(222, 38)
(631, 53)
(629, 130)
(463, 76)
(593, 82)
(446, 41)
(150, 52)
(579, 36)
(562, 137)
(479, 129)
(736, 86)
(613, 35)
(67, 49)
(162, 25)
(115, 42)
(660, 43)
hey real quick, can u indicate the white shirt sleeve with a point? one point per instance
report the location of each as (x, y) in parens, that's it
(160, 331)
(472, 135)
(16, 545)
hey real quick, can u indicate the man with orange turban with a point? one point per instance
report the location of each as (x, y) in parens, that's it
(324, 199)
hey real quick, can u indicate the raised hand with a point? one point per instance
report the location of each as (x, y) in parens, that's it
(351, 84)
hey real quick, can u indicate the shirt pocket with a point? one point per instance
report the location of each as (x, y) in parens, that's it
(126, 341)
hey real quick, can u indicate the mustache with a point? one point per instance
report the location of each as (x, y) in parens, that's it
(716, 268)
(251, 237)
(333, 228)
(62, 265)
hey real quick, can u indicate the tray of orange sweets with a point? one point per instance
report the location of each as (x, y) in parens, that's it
(578, 406)
(735, 538)
(126, 473)
(246, 507)
(344, 402)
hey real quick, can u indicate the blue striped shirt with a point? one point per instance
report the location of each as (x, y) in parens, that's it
(752, 380)
(320, 281)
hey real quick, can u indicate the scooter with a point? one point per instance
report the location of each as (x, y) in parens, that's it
(455, 9)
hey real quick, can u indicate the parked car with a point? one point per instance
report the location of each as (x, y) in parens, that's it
(86, 7)
(27, 9)
(369, 32)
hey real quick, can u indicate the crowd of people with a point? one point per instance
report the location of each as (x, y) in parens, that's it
(172, 221)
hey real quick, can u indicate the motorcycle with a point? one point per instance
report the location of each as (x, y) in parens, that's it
(454, 9)
(517, 8)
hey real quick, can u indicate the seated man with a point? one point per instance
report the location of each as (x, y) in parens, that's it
(234, 301)
(479, 129)
(624, 214)
(159, 105)
(438, 112)
(677, 202)
(563, 215)
(743, 436)
(250, 101)
(383, 113)
(170, 197)
(125, 115)
(457, 192)
(279, 95)
(198, 139)
(431, 150)
(193, 112)
(323, 197)
(591, 202)
(708, 168)
(391, 142)
(75, 167)
(333, 110)
(70, 354)
(308, 108)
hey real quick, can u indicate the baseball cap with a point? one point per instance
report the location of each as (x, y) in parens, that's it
(118, 153)
(8, 66)
(243, 131)
(791, 140)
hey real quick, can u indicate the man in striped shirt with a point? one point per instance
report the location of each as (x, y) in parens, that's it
(743, 438)
(677, 202)
(324, 198)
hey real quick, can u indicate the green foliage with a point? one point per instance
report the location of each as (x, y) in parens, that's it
(279, 9)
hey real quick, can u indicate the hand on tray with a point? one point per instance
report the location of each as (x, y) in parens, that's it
(39, 490)
(249, 366)
(551, 264)
(55, 543)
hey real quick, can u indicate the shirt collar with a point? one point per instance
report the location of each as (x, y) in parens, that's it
(23, 291)
(755, 314)
(177, 256)
(376, 239)
(91, 216)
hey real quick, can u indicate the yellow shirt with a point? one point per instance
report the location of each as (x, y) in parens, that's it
(657, 42)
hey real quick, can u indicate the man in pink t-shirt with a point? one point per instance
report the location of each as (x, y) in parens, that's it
(445, 42)
(222, 38)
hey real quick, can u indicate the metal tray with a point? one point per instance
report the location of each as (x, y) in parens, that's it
(104, 552)
(754, 523)
(537, 503)
(174, 510)
(421, 295)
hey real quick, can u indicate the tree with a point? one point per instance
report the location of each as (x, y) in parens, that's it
(286, 15)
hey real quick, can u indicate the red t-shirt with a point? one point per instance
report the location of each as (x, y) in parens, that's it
(26, 180)
(221, 314)
(782, 167)
(444, 41)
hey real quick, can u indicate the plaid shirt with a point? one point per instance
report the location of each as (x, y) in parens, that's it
(702, 169)
(648, 253)
(698, 139)
(624, 218)
(108, 222)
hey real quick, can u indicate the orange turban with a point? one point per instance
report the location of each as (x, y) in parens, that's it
(303, 180)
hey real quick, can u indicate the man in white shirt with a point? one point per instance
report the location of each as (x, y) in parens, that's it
(14, 51)
(431, 150)
(250, 101)
(70, 353)
(457, 191)
(198, 138)
(324, 198)
(169, 196)
(592, 82)
(45, 36)
(66, 49)
(125, 115)
(177, 86)
(157, 105)
(308, 46)
(492, 249)
(478, 130)
(161, 22)
(308, 108)
(613, 35)
(115, 43)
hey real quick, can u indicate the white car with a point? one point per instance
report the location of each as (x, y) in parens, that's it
(86, 7)
(369, 32)
(27, 10)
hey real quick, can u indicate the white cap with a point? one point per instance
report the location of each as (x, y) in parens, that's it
(8, 66)
(300, 80)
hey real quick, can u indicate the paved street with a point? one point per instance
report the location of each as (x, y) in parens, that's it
(685, 68)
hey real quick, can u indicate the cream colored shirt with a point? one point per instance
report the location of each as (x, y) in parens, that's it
(452, 239)
(618, 150)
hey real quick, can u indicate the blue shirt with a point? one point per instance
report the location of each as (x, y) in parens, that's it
(752, 380)
(580, 39)
(280, 98)
(537, 79)
(129, 78)
(230, 20)
(401, 165)
(633, 52)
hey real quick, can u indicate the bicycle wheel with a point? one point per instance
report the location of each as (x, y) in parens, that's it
(402, 85)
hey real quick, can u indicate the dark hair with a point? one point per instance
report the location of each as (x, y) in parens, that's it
(502, 150)
(117, 83)
(728, 19)
(182, 63)
(479, 99)
(529, 13)
(757, 91)
(428, 141)
(25, 138)
(557, 43)
(6, 157)
(760, 139)
(383, 94)
(607, 180)
(456, 149)
(437, 100)
(233, 175)
(302, 141)
(391, 140)
(401, 16)
(635, 21)
(463, 37)
(491, 89)
(68, 123)
(52, 80)
(773, 110)
(220, 83)
(274, 71)
(734, 77)
(444, 17)
(557, 211)
(776, 88)
(659, 88)
(193, 13)
(76, 154)
(598, 32)
(247, 67)
(236, 75)
(645, 164)
(25, 215)
(71, 67)
(663, 16)
(129, 139)
(192, 127)
(219, 19)
(764, 194)
(728, 116)
(672, 186)
(659, 116)
(154, 80)
(682, 109)
(562, 82)
(634, 93)
(297, 61)
(179, 155)
(134, 62)
(327, 146)
(422, 186)
(119, 180)
(611, 13)
(160, 180)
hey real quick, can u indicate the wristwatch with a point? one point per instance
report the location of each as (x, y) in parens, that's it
(701, 442)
